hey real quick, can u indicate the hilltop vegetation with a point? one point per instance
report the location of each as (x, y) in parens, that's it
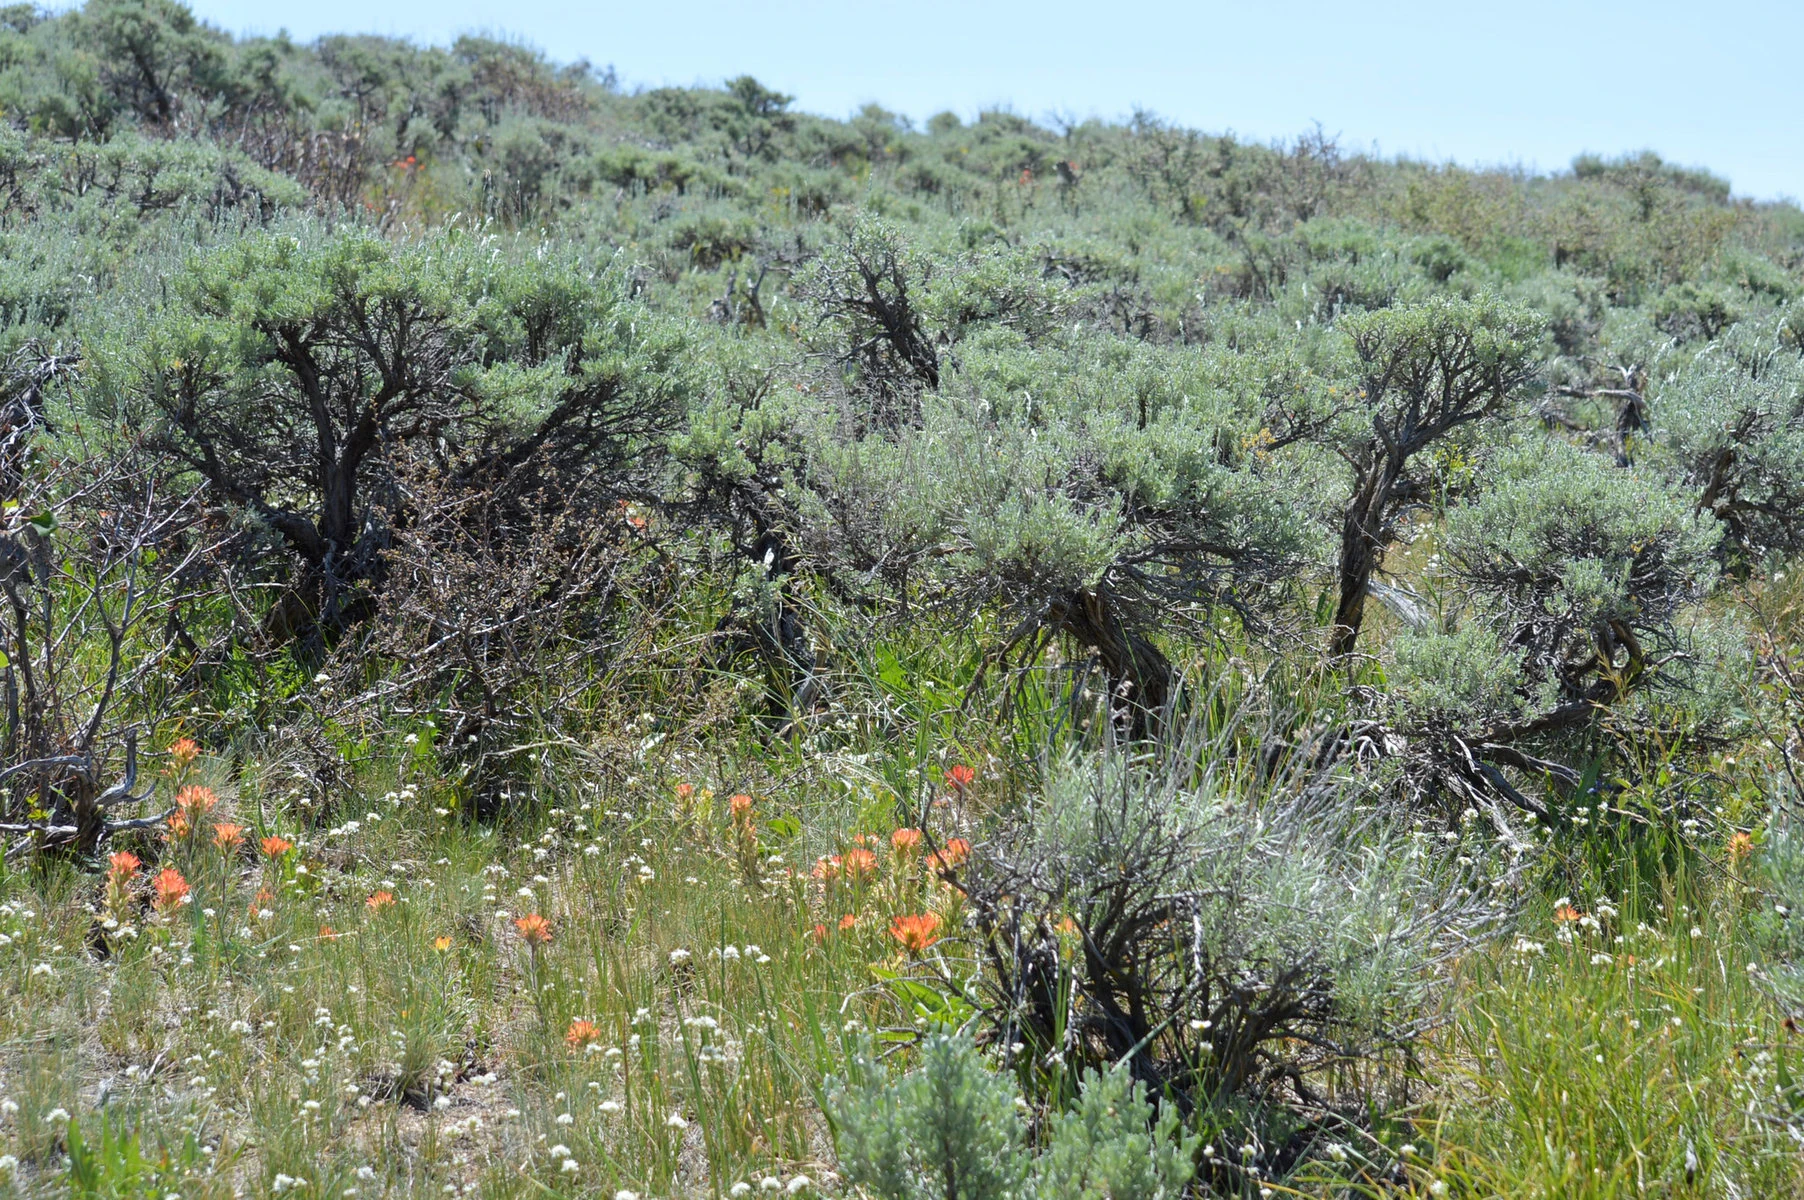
(640, 643)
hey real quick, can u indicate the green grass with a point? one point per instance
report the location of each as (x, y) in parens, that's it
(1638, 1058)
(290, 1029)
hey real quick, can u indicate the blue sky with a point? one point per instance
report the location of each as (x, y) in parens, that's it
(1531, 82)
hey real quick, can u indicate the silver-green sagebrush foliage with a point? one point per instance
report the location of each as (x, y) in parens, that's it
(951, 1129)
(1218, 934)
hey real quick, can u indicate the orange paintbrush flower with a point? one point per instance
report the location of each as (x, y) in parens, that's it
(905, 842)
(858, 863)
(182, 753)
(379, 901)
(276, 847)
(227, 835)
(535, 930)
(122, 866)
(192, 804)
(960, 776)
(957, 851)
(741, 806)
(171, 890)
(196, 801)
(582, 1033)
(917, 932)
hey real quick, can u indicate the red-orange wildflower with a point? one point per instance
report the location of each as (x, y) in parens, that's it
(819, 932)
(741, 806)
(685, 790)
(227, 835)
(854, 864)
(1741, 844)
(535, 930)
(905, 842)
(442, 943)
(582, 1033)
(122, 866)
(916, 932)
(182, 753)
(957, 851)
(328, 934)
(848, 921)
(192, 804)
(857, 863)
(276, 847)
(1566, 913)
(960, 775)
(379, 901)
(171, 890)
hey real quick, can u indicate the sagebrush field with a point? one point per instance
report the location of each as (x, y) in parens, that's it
(564, 641)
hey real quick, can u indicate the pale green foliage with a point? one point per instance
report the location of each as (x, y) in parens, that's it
(951, 1129)
(867, 290)
(1450, 680)
(1048, 469)
(1109, 1146)
(1564, 542)
(995, 288)
(1303, 928)
(1690, 311)
(1729, 419)
(1427, 367)
(1573, 305)
(946, 1131)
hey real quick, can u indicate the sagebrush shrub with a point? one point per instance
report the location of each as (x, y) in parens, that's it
(1219, 935)
(951, 1129)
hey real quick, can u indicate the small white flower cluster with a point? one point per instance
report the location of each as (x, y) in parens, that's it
(747, 953)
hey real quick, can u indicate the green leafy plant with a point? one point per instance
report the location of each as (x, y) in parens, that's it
(951, 1128)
